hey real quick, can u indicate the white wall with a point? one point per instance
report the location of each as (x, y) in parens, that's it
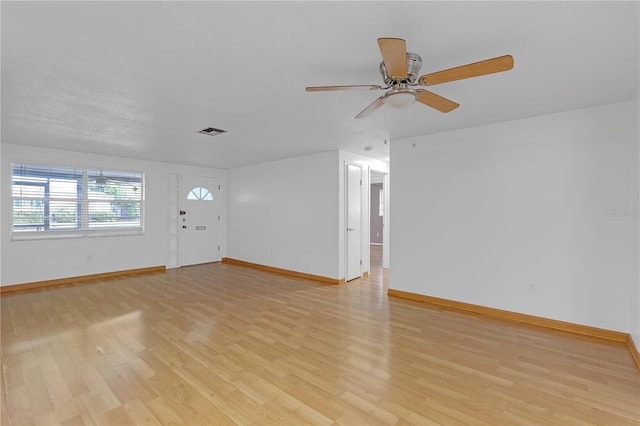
(284, 214)
(482, 214)
(38, 260)
(290, 213)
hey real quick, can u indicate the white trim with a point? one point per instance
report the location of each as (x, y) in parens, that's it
(50, 235)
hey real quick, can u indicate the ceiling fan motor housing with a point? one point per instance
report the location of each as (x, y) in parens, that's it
(414, 63)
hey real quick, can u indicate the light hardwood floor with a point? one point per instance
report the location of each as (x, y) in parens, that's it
(222, 344)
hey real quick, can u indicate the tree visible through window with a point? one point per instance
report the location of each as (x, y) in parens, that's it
(200, 194)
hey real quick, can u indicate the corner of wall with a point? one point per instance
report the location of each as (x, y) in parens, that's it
(635, 204)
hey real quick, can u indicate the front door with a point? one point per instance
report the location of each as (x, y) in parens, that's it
(199, 220)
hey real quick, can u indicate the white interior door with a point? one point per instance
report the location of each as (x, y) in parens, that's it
(199, 220)
(353, 221)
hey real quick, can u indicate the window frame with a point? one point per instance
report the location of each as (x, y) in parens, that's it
(83, 200)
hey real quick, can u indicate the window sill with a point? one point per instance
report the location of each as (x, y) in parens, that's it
(51, 235)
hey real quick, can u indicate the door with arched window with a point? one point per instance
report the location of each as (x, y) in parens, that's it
(199, 220)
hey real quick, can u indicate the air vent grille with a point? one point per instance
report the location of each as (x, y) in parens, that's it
(211, 131)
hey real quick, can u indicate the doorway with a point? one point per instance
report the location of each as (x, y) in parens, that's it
(379, 218)
(199, 220)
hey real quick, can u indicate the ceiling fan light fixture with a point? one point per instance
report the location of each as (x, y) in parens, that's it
(400, 98)
(101, 179)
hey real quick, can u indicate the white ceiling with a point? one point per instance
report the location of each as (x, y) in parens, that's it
(139, 79)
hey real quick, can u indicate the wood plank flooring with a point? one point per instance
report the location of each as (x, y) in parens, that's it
(221, 344)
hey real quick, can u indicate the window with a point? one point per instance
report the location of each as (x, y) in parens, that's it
(61, 199)
(381, 202)
(200, 194)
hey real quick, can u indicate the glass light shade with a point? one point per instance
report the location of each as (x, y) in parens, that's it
(400, 100)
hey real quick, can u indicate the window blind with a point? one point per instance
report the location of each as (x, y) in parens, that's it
(58, 199)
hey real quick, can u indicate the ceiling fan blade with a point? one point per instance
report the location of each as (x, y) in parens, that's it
(489, 66)
(394, 55)
(372, 107)
(353, 87)
(435, 101)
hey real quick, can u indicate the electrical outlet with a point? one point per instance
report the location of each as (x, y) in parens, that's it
(531, 287)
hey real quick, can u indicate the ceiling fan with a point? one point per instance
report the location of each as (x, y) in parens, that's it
(399, 71)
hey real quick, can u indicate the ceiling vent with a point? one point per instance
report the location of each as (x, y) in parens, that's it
(212, 131)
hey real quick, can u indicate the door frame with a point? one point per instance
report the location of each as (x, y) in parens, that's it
(174, 193)
(217, 193)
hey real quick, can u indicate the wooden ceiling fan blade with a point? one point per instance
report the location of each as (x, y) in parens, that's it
(372, 107)
(435, 101)
(394, 55)
(489, 66)
(352, 87)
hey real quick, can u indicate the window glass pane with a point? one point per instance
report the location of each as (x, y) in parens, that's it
(23, 189)
(114, 185)
(114, 214)
(64, 215)
(200, 194)
(114, 199)
(194, 194)
(28, 215)
(45, 197)
(65, 188)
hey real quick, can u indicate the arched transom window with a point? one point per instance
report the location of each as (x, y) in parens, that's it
(200, 193)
